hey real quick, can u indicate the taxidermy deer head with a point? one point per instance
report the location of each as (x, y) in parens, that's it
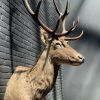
(61, 51)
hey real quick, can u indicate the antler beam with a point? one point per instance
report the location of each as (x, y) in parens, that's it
(62, 17)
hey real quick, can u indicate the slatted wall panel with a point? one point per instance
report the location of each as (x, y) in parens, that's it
(5, 61)
(20, 40)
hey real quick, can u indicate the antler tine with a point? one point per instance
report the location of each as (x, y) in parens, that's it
(66, 11)
(64, 17)
(26, 3)
(35, 15)
(75, 38)
(64, 32)
(75, 24)
(59, 13)
(61, 16)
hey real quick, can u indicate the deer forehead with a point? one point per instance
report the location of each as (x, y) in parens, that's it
(61, 41)
(60, 44)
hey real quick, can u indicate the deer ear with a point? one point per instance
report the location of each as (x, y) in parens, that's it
(44, 36)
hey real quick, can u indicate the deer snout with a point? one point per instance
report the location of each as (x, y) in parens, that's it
(81, 58)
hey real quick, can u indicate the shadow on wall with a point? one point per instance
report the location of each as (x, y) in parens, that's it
(12, 11)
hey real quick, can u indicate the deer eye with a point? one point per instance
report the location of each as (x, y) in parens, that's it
(58, 45)
(66, 42)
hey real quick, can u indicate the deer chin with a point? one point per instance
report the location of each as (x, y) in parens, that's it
(74, 63)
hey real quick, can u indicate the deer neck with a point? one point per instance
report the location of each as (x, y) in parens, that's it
(45, 67)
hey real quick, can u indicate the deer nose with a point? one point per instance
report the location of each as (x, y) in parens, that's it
(81, 58)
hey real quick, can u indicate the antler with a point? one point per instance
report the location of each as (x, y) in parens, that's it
(62, 17)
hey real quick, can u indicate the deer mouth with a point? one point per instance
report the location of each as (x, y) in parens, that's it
(76, 63)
